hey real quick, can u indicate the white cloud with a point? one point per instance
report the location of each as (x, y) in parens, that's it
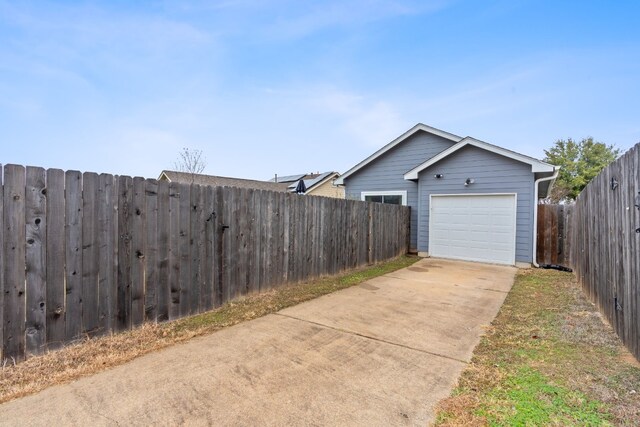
(370, 121)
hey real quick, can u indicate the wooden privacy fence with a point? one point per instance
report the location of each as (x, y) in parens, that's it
(88, 254)
(554, 229)
(605, 245)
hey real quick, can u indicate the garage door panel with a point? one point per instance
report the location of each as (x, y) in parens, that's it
(473, 227)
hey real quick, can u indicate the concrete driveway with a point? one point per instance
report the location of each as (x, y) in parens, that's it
(381, 353)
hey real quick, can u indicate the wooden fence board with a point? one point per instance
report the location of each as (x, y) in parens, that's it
(258, 195)
(174, 250)
(219, 236)
(278, 242)
(138, 250)
(107, 204)
(90, 255)
(14, 231)
(163, 272)
(55, 292)
(36, 260)
(125, 219)
(195, 245)
(1, 263)
(209, 248)
(73, 237)
(184, 247)
(151, 261)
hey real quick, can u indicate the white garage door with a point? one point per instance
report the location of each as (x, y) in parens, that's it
(475, 228)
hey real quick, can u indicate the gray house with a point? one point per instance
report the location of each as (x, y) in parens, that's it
(469, 200)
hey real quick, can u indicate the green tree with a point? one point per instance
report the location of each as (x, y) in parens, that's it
(579, 163)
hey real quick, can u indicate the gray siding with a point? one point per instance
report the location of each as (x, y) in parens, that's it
(493, 174)
(387, 172)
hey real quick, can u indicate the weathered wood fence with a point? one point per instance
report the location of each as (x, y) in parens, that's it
(605, 245)
(88, 254)
(554, 229)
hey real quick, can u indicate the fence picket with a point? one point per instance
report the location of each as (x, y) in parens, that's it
(151, 254)
(138, 250)
(14, 258)
(174, 250)
(1, 263)
(163, 267)
(36, 260)
(90, 258)
(73, 271)
(55, 258)
(125, 214)
(107, 206)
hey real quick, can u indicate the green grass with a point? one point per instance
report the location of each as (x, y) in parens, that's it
(530, 398)
(547, 359)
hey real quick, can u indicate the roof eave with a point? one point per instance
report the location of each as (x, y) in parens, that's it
(536, 165)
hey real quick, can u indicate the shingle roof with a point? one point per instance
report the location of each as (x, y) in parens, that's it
(289, 178)
(309, 183)
(213, 180)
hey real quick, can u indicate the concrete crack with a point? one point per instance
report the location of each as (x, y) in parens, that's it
(444, 356)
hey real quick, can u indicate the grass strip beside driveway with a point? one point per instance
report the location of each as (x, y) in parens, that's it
(547, 359)
(94, 355)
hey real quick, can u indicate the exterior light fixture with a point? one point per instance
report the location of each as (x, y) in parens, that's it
(438, 176)
(469, 181)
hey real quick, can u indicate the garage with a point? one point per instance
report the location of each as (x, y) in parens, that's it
(479, 227)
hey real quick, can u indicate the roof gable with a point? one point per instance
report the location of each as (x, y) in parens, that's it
(536, 165)
(417, 128)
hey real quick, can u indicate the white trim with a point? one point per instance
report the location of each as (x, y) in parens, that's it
(398, 140)
(402, 193)
(515, 219)
(536, 165)
(165, 175)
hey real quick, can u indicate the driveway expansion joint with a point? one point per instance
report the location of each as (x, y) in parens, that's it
(444, 356)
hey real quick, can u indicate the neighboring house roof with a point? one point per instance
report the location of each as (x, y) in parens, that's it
(311, 183)
(290, 178)
(536, 165)
(311, 180)
(185, 177)
(398, 140)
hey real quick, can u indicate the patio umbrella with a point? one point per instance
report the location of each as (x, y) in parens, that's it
(301, 188)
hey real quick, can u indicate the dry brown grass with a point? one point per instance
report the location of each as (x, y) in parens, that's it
(90, 356)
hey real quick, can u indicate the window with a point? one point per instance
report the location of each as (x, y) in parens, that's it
(390, 197)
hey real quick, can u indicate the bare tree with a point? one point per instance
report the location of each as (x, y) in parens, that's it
(190, 161)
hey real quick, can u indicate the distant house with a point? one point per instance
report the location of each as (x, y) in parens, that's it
(185, 177)
(316, 184)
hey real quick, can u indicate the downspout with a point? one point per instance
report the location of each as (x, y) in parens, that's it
(556, 169)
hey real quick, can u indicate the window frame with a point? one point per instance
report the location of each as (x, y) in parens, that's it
(402, 193)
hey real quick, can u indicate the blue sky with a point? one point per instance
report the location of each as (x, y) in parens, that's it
(285, 86)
